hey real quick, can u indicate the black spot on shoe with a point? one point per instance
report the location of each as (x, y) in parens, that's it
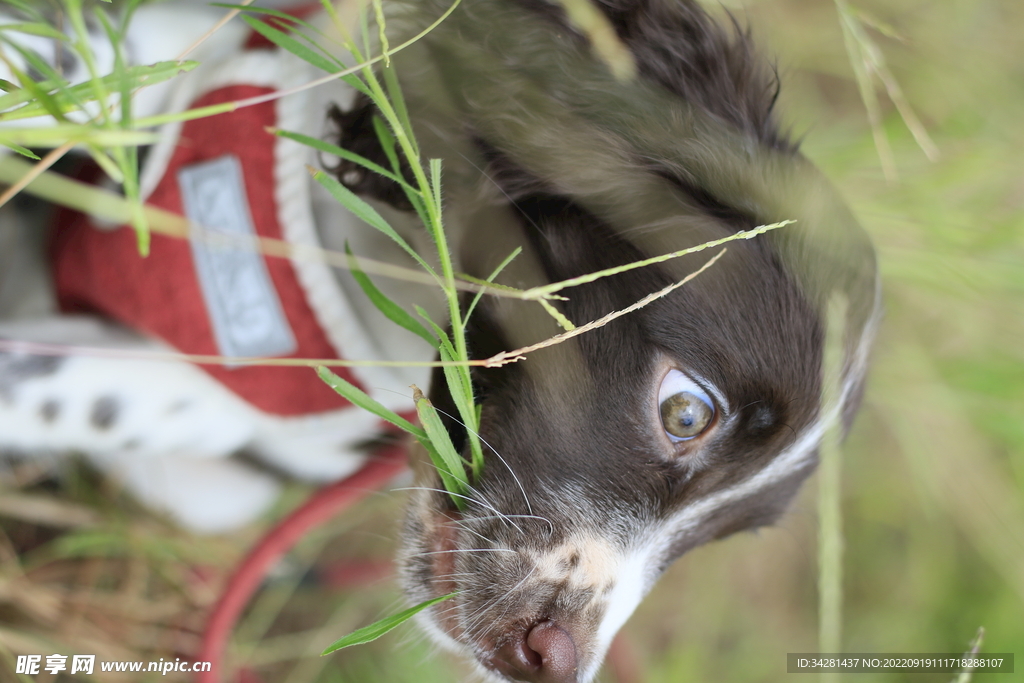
(50, 410)
(104, 412)
(16, 368)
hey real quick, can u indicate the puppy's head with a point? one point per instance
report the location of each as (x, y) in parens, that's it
(610, 455)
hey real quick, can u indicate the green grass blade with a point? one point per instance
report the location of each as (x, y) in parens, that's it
(119, 77)
(106, 163)
(435, 182)
(388, 144)
(22, 151)
(376, 630)
(361, 399)
(367, 213)
(284, 16)
(44, 98)
(830, 525)
(129, 12)
(55, 136)
(458, 379)
(35, 29)
(88, 543)
(495, 273)
(69, 96)
(28, 8)
(83, 47)
(448, 480)
(127, 158)
(450, 460)
(356, 82)
(460, 385)
(297, 48)
(457, 382)
(398, 102)
(351, 78)
(187, 115)
(33, 59)
(393, 311)
(328, 148)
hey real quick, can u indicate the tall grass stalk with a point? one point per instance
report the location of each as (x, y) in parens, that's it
(830, 522)
(967, 674)
(867, 61)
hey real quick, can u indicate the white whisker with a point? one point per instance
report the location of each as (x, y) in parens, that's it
(462, 525)
(463, 550)
(471, 621)
(469, 498)
(497, 454)
(543, 519)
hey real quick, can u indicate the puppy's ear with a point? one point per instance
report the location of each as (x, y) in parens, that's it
(356, 134)
(676, 44)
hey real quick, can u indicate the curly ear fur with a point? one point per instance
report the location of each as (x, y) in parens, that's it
(355, 133)
(677, 45)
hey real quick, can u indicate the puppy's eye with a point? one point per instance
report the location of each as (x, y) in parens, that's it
(686, 409)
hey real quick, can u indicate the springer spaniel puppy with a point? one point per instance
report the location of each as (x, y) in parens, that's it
(609, 455)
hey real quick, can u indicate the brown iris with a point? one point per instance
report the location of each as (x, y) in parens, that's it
(685, 415)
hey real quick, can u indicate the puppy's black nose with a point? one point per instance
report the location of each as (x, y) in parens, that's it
(545, 653)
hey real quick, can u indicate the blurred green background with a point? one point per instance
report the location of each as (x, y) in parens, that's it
(933, 483)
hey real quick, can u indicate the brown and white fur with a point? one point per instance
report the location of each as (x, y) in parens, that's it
(585, 498)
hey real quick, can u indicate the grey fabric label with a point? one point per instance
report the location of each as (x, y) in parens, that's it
(242, 303)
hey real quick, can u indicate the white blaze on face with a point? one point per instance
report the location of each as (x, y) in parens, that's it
(631, 585)
(618, 579)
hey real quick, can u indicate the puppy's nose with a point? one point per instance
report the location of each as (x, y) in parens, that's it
(545, 653)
